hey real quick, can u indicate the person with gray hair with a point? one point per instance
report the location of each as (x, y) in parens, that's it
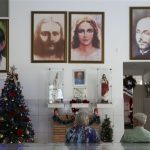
(81, 132)
(138, 133)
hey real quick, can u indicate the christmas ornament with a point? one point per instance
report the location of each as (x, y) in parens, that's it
(12, 93)
(1, 119)
(1, 136)
(12, 69)
(19, 132)
(27, 132)
(14, 116)
(5, 98)
(129, 82)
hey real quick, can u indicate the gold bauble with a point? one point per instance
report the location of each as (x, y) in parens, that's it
(1, 136)
(1, 119)
(5, 98)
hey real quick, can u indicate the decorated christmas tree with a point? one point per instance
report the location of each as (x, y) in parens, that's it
(15, 124)
(107, 131)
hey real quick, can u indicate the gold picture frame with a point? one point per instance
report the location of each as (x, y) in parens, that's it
(90, 48)
(48, 37)
(4, 42)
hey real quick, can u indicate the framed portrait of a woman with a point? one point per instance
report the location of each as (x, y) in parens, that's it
(86, 37)
(4, 45)
(139, 33)
(48, 37)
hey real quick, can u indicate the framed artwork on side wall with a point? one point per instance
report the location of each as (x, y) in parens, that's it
(140, 33)
(48, 37)
(4, 45)
(86, 37)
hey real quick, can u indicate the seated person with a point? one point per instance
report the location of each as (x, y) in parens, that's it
(138, 133)
(81, 132)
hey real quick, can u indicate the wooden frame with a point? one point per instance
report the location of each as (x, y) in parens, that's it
(48, 37)
(4, 45)
(139, 33)
(90, 24)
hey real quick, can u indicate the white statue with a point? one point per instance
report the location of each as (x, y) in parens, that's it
(55, 92)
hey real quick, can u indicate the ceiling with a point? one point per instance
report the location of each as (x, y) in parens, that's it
(136, 67)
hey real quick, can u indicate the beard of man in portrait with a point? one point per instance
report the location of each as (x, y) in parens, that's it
(48, 40)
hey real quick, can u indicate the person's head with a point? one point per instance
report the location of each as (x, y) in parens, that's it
(103, 76)
(139, 119)
(82, 119)
(143, 33)
(2, 41)
(79, 75)
(48, 38)
(86, 33)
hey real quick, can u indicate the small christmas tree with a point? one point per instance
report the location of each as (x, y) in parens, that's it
(15, 124)
(107, 131)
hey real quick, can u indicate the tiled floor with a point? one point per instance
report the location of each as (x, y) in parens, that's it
(61, 146)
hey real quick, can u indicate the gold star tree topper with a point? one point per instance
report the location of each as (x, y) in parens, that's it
(12, 69)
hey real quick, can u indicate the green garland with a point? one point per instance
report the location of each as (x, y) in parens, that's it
(95, 119)
(64, 122)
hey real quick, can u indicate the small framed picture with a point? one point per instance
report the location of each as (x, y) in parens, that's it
(86, 37)
(4, 45)
(48, 37)
(79, 93)
(79, 77)
(140, 33)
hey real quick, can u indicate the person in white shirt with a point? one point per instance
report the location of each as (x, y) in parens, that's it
(138, 133)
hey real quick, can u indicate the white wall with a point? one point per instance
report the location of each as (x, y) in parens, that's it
(34, 76)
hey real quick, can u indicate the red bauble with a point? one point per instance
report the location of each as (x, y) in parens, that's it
(23, 109)
(19, 132)
(12, 93)
(12, 114)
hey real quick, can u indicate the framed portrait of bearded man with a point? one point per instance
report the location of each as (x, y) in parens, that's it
(48, 37)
